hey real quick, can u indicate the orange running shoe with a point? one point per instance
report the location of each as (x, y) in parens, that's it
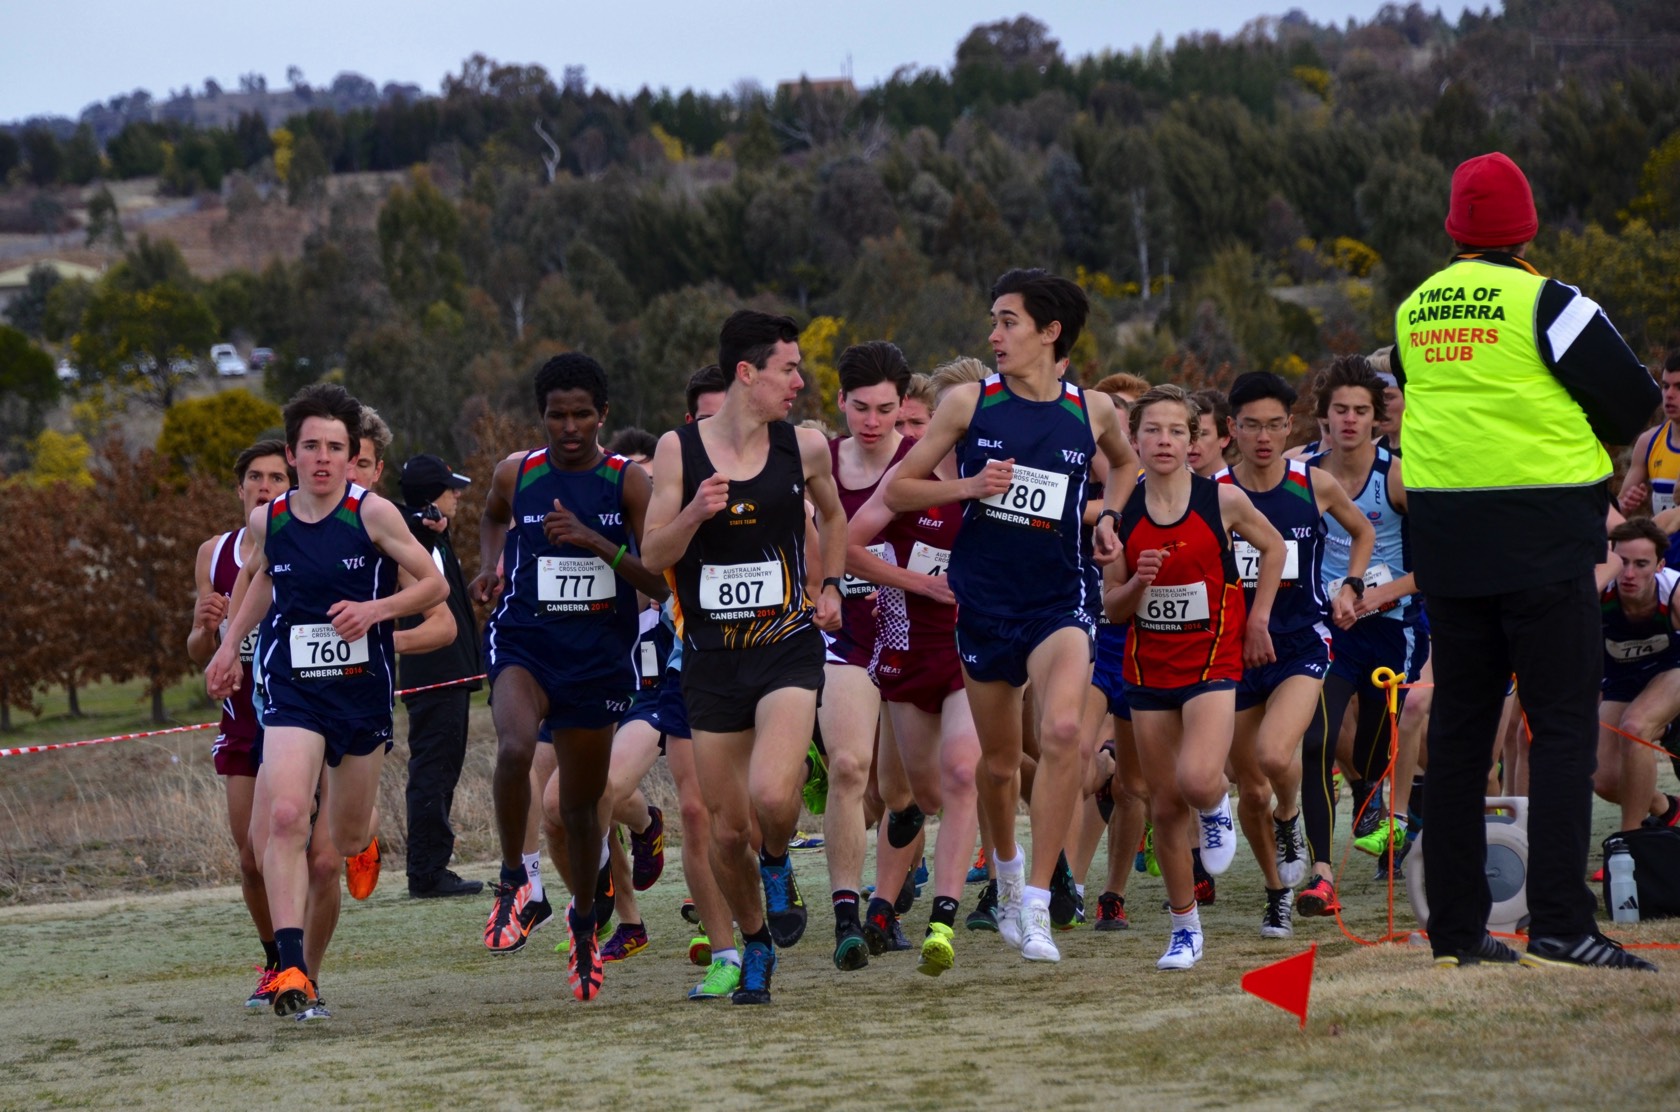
(506, 930)
(263, 995)
(583, 961)
(1317, 898)
(361, 872)
(293, 991)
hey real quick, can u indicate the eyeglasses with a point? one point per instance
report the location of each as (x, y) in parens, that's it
(1274, 427)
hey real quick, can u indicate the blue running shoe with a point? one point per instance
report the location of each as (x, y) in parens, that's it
(758, 963)
(783, 906)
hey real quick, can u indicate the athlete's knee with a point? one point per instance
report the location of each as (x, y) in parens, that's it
(848, 772)
(957, 774)
(288, 818)
(1203, 790)
(731, 834)
(514, 751)
(1059, 733)
(1254, 796)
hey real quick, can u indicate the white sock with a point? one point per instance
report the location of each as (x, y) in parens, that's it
(1189, 920)
(606, 849)
(731, 955)
(1038, 896)
(533, 872)
(1015, 866)
(1080, 888)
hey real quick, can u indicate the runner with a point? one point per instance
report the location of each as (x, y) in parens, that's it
(873, 378)
(1024, 439)
(325, 553)
(916, 410)
(1209, 455)
(727, 526)
(559, 642)
(1280, 700)
(1178, 584)
(1654, 465)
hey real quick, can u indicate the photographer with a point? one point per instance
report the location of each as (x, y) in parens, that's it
(437, 719)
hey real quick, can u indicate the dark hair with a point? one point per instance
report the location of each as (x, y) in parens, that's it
(1256, 386)
(257, 451)
(1166, 392)
(1641, 529)
(1217, 407)
(1672, 364)
(327, 400)
(1048, 298)
(572, 371)
(1353, 370)
(707, 380)
(749, 336)
(632, 442)
(872, 363)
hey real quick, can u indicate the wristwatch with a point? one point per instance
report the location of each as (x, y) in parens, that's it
(1357, 584)
(833, 581)
(1115, 514)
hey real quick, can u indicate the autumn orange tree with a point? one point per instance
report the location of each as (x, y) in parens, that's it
(24, 649)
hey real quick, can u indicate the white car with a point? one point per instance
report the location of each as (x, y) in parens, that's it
(227, 361)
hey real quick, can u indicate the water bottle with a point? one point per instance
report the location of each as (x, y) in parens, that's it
(1624, 894)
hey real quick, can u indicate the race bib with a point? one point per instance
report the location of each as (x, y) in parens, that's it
(1173, 608)
(247, 647)
(853, 587)
(1376, 576)
(650, 663)
(1661, 500)
(1034, 498)
(570, 583)
(318, 652)
(1248, 562)
(726, 588)
(1636, 650)
(928, 560)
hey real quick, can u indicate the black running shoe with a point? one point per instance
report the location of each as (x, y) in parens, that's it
(1592, 951)
(1064, 896)
(758, 962)
(1371, 817)
(984, 917)
(1401, 849)
(896, 942)
(1489, 951)
(877, 926)
(903, 826)
(907, 894)
(851, 948)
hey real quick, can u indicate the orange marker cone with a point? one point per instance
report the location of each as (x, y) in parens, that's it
(1286, 983)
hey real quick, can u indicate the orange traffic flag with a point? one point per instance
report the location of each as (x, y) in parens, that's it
(1286, 983)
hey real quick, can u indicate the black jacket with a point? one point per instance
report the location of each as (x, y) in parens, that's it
(466, 656)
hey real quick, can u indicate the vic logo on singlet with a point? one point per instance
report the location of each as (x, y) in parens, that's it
(1073, 457)
(611, 519)
(351, 563)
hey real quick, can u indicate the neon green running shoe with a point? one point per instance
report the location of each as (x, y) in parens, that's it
(1150, 864)
(1376, 842)
(938, 954)
(723, 978)
(815, 790)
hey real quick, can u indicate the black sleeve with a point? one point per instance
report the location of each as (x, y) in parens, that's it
(1592, 361)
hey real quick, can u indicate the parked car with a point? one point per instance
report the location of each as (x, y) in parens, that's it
(261, 357)
(227, 361)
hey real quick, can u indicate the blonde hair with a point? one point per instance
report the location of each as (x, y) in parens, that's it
(1122, 383)
(375, 429)
(956, 372)
(1166, 393)
(922, 389)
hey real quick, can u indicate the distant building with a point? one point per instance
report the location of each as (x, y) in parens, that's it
(14, 280)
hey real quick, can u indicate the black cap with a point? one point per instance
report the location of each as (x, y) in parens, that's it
(425, 477)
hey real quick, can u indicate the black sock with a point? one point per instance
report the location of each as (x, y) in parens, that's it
(1415, 807)
(761, 935)
(845, 908)
(1362, 790)
(288, 944)
(515, 876)
(764, 858)
(944, 911)
(271, 954)
(1197, 870)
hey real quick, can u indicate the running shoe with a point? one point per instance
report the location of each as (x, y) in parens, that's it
(783, 906)
(1278, 920)
(1217, 837)
(1371, 818)
(1291, 851)
(1206, 890)
(689, 914)
(938, 951)
(1400, 852)
(1377, 841)
(903, 826)
(293, 992)
(877, 926)
(1063, 896)
(721, 979)
(984, 917)
(263, 995)
(1590, 951)
(1151, 864)
(1670, 817)
(583, 962)
(1489, 951)
(1036, 944)
(628, 940)
(700, 951)
(1111, 912)
(1184, 950)
(802, 840)
(1317, 898)
(896, 941)
(758, 964)
(647, 852)
(907, 893)
(815, 791)
(535, 914)
(851, 948)
(313, 1012)
(977, 871)
(1012, 892)
(603, 906)
(361, 872)
(505, 931)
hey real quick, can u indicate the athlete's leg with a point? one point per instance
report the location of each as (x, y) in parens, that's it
(1254, 794)
(292, 759)
(997, 708)
(635, 748)
(1646, 717)
(351, 800)
(782, 733)
(1414, 725)
(916, 744)
(709, 904)
(240, 791)
(518, 706)
(1318, 791)
(721, 763)
(326, 888)
(1095, 727)
(1289, 712)
(1158, 744)
(1059, 669)
(1131, 808)
(629, 912)
(850, 711)
(582, 758)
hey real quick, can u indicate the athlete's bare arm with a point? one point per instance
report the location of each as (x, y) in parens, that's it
(872, 517)
(831, 521)
(252, 594)
(916, 487)
(436, 628)
(1636, 484)
(1122, 460)
(1333, 498)
(492, 530)
(208, 611)
(1240, 516)
(1123, 585)
(389, 533)
(670, 525)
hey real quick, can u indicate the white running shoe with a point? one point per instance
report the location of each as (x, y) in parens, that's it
(1218, 837)
(1012, 893)
(1291, 851)
(1035, 934)
(1278, 920)
(1183, 951)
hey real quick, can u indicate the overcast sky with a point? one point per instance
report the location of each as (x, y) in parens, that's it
(56, 58)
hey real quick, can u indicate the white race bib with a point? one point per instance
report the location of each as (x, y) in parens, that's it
(853, 587)
(566, 582)
(1376, 576)
(650, 663)
(1248, 562)
(731, 587)
(317, 647)
(1177, 607)
(1033, 496)
(1636, 650)
(928, 560)
(248, 648)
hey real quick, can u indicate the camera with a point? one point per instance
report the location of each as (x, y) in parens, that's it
(431, 513)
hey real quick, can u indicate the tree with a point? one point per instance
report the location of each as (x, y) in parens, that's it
(43, 155)
(82, 160)
(58, 459)
(419, 232)
(25, 516)
(104, 222)
(142, 338)
(28, 387)
(28, 309)
(204, 436)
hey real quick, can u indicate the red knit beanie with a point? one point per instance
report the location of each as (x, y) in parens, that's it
(1492, 205)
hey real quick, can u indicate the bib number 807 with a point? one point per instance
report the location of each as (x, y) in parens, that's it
(746, 592)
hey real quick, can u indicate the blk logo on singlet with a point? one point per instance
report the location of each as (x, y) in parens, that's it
(531, 519)
(984, 443)
(351, 563)
(280, 569)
